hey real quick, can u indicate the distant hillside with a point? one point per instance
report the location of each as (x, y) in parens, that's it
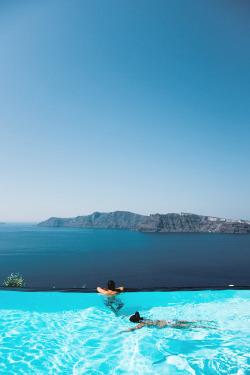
(115, 220)
(167, 223)
(191, 223)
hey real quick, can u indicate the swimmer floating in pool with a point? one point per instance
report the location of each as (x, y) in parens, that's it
(112, 302)
(136, 318)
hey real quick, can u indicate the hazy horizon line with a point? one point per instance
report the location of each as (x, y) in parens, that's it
(71, 217)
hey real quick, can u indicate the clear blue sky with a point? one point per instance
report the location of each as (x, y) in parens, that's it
(124, 105)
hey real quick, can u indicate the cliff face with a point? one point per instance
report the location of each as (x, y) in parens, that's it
(189, 223)
(115, 220)
(169, 223)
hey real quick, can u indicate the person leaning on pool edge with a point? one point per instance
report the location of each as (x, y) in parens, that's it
(111, 290)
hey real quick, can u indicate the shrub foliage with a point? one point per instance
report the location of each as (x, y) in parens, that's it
(15, 280)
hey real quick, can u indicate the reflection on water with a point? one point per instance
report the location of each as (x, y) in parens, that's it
(114, 304)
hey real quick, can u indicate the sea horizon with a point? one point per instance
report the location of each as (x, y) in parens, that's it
(72, 257)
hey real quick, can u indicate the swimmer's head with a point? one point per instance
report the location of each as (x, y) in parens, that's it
(111, 285)
(136, 318)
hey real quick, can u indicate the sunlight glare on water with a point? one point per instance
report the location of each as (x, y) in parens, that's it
(75, 333)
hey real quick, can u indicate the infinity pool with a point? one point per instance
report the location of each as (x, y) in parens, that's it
(75, 333)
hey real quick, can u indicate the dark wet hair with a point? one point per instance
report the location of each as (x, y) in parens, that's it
(136, 318)
(111, 285)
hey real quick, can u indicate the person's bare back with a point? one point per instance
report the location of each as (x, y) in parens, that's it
(111, 290)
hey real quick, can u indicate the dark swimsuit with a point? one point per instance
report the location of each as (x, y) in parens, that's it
(114, 302)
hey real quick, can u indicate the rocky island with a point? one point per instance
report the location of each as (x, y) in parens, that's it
(156, 223)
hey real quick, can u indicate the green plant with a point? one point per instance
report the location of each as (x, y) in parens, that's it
(14, 280)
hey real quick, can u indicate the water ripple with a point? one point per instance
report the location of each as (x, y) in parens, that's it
(86, 341)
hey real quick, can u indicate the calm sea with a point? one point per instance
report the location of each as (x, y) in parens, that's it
(72, 257)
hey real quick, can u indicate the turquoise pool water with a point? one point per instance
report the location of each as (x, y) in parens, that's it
(75, 333)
